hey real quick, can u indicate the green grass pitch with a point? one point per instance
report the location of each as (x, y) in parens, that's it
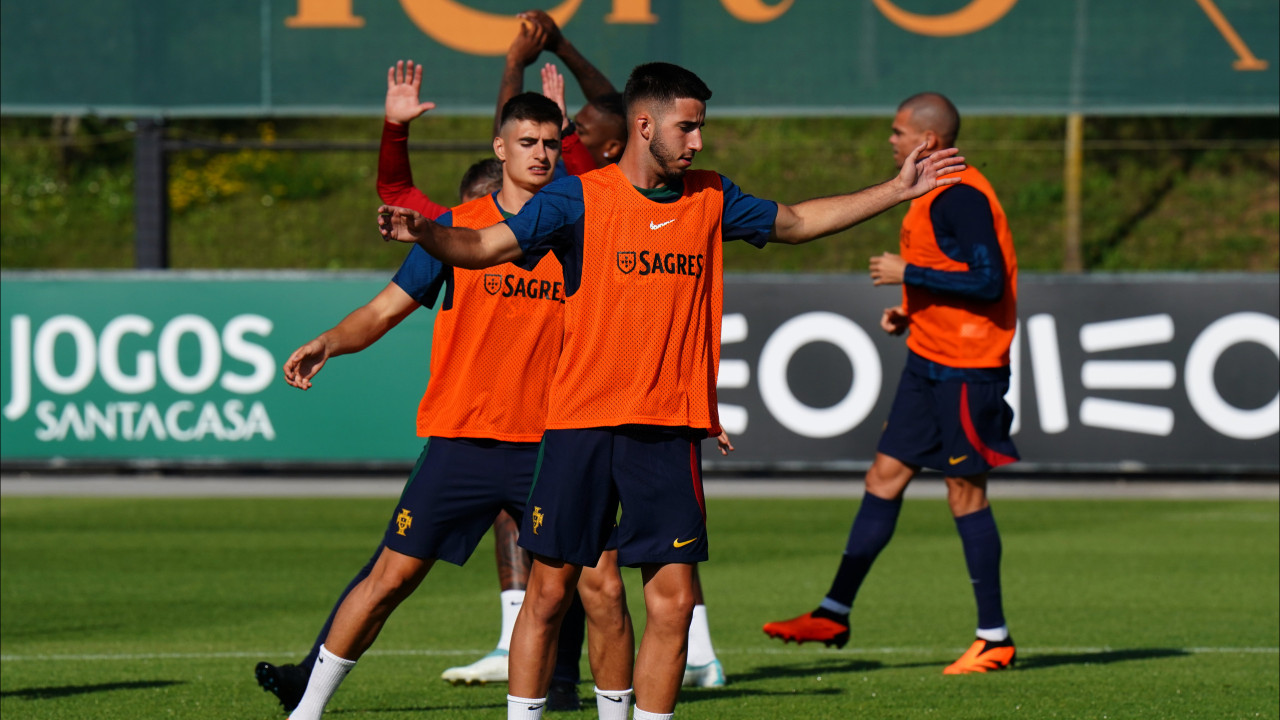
(159, 608)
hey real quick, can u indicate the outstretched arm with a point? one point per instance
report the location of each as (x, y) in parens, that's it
(357, 331)
(459, 247)
(524, 51)
(820, 217)
(592, 81)
(395, 178)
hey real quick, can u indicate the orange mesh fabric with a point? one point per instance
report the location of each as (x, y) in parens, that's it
(494, 350)
(954, 331)
(642, 333)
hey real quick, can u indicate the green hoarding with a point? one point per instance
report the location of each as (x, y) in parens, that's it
(305, 57)
(187, 366)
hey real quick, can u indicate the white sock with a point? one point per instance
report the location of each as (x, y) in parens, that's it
(700, 650)
(833, 606)
(511, 602)
(999, 634)
(613, 704)
(326, 676)
(642, 715)
(519, 708)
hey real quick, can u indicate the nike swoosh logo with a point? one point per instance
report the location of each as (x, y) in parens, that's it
(611, 698)
(655, 227)
(677, 543)
(957, 460)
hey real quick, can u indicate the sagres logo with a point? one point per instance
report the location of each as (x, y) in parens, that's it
(403, 521)
(626, 261)
(492, 283)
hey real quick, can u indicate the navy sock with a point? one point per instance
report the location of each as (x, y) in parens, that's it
(310, 659)
(569, 648)
(871, 531)
(982, 548)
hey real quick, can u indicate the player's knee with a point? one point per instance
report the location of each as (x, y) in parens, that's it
(964, 496)
(888, 478)
(395, 583)
(546, 600)
(604, 598)
(672, 607)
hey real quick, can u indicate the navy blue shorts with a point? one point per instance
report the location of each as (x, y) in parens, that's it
(454, 494)
(957, 426)
(584, 476)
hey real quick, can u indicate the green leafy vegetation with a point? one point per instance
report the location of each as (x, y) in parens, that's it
(1168, 194)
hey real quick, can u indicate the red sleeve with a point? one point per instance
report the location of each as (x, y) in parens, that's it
(577, 158)
(395, 179)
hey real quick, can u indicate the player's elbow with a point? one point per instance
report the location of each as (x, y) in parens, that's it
(991, 290)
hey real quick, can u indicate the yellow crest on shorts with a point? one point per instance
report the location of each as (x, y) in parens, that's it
(403, 521)
(537, 518)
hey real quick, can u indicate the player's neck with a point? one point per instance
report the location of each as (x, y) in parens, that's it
(638, 167)
(512, 197)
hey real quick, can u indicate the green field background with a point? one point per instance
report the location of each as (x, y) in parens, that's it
(156, 608)
(1159, 193)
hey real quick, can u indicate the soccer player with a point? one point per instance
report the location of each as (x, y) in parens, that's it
(634, 392)
(959, 279)
(395, 184)
(703, 668)
(580, 150)
(481, 449)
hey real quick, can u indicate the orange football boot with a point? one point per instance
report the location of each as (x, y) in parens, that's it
(984, 656)
(809, 628)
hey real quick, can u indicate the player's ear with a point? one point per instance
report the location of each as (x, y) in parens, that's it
(932, 142)
(500, 148)
(644, 126)
(613, 149)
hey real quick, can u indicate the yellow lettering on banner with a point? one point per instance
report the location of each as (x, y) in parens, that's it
(631, 12)
(755, 11)
(457, 26)
(971, 18)
(324, 14)
(1245, 59)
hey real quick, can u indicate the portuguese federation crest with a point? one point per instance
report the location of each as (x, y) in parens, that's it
(492, 283)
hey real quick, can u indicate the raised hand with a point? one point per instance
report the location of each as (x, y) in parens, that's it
(304, 363)
(920, 175)
(553, 87)
(402, 224)
(404, 81)
(548, 25)
(528, 44)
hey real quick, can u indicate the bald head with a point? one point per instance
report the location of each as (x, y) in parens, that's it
(931, 111)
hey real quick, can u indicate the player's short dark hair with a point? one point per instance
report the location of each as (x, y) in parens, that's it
(482, 178)
(933, 111)
(614, 109)
(664, 83)
(532, 106)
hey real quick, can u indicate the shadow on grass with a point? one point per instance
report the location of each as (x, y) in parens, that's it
(729, 692)
(1101, 657)
(833, 666)
(50, 693)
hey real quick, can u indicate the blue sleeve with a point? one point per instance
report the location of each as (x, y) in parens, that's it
(546, 221)
(420, 275)
(746, 217)
(965, 230)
